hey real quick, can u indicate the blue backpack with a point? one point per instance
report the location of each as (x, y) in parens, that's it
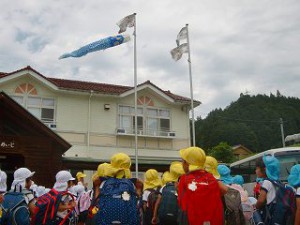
(117, 203)
(168, 208)
(282, 209)
(15, 209)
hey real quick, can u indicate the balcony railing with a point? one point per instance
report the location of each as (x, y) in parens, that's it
(146, 132)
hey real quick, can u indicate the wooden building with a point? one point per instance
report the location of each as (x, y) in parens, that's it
(27, 142)
(241, 152)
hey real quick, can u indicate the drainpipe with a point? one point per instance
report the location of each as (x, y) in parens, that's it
(89, 123)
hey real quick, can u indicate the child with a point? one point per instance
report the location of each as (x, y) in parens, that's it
(152, 184)
(117, 194)
(270, 170)
(260, 176)
(199, 194)
(80, 180)
(19, 189)
(294, 180)
(166, 207)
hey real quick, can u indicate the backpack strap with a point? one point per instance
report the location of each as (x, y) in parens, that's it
(70, 210)
(78, 203)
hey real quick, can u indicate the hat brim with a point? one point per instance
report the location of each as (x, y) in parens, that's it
(31, 175)
(181, 152)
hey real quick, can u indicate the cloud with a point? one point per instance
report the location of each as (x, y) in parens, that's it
(236, 45)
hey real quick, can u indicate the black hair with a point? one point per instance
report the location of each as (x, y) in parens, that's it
(260, 163)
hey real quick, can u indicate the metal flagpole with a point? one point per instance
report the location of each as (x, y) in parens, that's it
(191, 86)
(135, 102)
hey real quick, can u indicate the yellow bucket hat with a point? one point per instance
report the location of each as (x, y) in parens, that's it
(102, 170)
(151, 179)
(119, 166)
(211, 165)
(166, 178)
(176, 169)
(194, 156)
(80, 175)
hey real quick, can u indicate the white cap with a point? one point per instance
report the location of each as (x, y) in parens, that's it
(22, 173)
(3, 178)
(40, 190)
(63, 176)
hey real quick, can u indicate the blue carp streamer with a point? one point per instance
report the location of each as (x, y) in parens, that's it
(102, 44)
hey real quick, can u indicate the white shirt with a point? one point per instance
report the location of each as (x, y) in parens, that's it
(270, 189)
(298, 192)
(145, 196)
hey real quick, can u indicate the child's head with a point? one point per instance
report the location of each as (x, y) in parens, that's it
(152, 179)
(80, 177)
(272, 167)
(260, 169)
(225, 176)
(238, 179)
(193, 158)
(294, 177)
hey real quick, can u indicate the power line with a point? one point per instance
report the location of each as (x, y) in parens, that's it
(256, 121)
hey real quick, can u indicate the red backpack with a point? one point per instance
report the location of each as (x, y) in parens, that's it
(199, 199)
(45, 212)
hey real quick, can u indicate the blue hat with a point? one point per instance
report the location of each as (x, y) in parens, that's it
(238, 179)
(294, 177)
(272, 167)
(225, 176)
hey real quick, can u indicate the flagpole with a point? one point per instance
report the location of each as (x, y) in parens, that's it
(135, 102)
(191, 86)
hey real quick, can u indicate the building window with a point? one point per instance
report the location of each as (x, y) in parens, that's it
(42, 108)
(150, 121)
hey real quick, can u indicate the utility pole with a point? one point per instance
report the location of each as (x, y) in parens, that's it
(282, 133)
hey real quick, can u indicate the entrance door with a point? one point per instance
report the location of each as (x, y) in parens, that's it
(9, 163)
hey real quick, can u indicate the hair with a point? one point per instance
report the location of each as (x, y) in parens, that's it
(260, 163)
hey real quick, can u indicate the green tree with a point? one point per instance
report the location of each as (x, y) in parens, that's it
(223, 153)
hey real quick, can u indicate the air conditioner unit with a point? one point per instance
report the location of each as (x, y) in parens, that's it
(171, 134)
(52, 126)
(121, 131)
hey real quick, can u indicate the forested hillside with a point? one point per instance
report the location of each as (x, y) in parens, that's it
(253, 121)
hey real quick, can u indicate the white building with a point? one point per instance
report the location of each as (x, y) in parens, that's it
(98, 119)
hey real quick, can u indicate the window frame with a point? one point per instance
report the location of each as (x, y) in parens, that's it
(26, 104)
(145, 129)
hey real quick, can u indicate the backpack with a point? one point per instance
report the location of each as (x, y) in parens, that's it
(246, 204)
(46, 209)
(233, 208)
(117, 203)
(168, 207)
(282, 209)
(199, 199)
(152, 198)
(15, 209)
(84, 202)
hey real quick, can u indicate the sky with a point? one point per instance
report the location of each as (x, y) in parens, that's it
(236, 46)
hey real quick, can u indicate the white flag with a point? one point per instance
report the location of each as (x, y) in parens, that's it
(178, 51)
(181, 35)
(128, 21)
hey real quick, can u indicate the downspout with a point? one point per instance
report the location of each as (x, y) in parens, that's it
(89, 122)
